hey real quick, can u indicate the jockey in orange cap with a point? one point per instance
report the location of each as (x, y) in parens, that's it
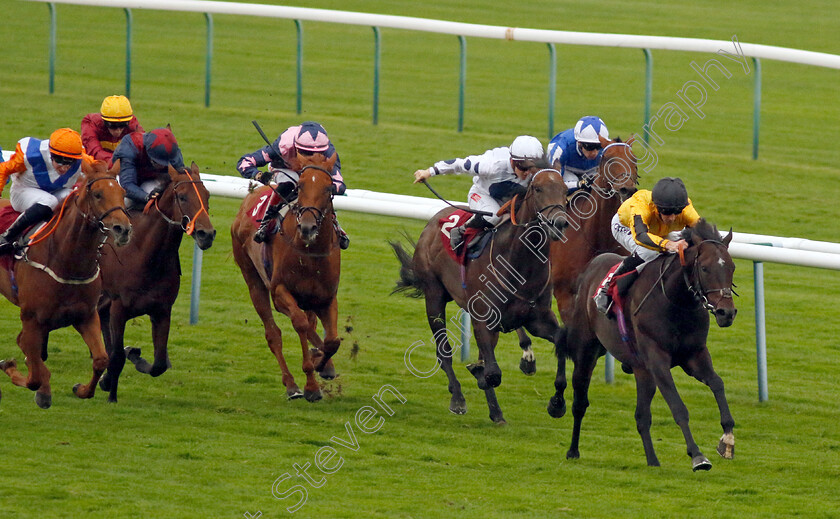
(102, 132)
(42, 173)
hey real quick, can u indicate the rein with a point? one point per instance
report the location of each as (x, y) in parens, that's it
(300, 210)
(186, 224)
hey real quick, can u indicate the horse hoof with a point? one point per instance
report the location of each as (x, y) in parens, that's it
(700, 462)
(528, 367)
(105, 382)
(76, 389)
(726, 451)
(43, 401)
(555, 409)
(458, 405)
(312, 396)
(499, 420)
(627, 368)
(477, 369)
(493, 379)
(572, 455)
(132, 354)
(7, 364)
(112, 399)
(294, 394)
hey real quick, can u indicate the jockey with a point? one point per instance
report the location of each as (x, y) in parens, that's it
(143, 158)
(307, 139)
(639, 226)
(576, 152)
(102, 132)
(498, 175)
(43, 173)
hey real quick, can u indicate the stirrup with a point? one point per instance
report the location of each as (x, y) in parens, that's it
(602, 301)
(261, 234)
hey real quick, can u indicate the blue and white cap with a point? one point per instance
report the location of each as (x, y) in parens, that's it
(589, 128)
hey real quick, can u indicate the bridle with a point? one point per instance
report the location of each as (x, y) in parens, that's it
(541, 219)
(697, 290)
(300, 210)
(605, 161)
(187, 223)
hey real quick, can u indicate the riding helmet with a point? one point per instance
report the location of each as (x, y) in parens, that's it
(311, 136)
(526, 147)
(116, 109)
(670, 194)
(67, 143)
(590, 128)
(162, 148)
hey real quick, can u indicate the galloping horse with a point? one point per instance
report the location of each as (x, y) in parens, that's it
(297, 270)
(510, 281)
(668, 325)
(588, 234)
(57, 281)
(144, 278)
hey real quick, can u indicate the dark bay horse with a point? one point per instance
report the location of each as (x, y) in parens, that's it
(589, 233)
(297, 270)
(504, 288)
(57, 282)
(668, 323)
(144, 277)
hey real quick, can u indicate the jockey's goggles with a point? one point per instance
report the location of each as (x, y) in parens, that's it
(524, 165)
(590, 146)
(116, 125)
(62, 160)
(670, 211)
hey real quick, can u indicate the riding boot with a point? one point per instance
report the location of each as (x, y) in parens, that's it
(343, 239)
(280, 197)
(628, 266)
(456, 234)
(36, 213)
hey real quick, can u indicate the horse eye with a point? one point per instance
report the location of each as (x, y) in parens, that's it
(704, 269)
(182, 198)
(97, 195)
(538, 189)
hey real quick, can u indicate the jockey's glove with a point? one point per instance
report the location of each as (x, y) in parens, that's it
(264, 177)
(156, 192)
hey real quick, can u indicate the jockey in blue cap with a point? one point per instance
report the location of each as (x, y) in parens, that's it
(576, 152)
(306, 139)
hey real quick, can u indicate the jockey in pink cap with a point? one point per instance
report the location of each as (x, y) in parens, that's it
(283, 168)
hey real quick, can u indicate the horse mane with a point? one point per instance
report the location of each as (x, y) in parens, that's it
(703, 230)
(618, 139)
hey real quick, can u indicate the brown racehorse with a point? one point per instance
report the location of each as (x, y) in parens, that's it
(668, 323)
(589, 233)
(144, 277)
(515, 264)
(297, 270)
(57, 282)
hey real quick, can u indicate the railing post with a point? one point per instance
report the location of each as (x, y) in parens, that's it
(760, 332)
(128, 27)
(209, 18)
(377, 56)
(462, 82)
(51, 7)
(465, 336)
(552, 87)
(195, 289)
(648, 91)
(609, 368)
(756, 105)
(299, 27)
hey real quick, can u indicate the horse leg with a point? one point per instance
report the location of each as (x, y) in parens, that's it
(114, 342)
(581, 378)
(105, 320)
(645, 389)
(91, 332)
(436, 315)
(262, 304)
(528, 362)
(661, 364)
(490, 374)
(331, 342)
(700, 367)
(160, 337)
(43, 395)
(285, 302)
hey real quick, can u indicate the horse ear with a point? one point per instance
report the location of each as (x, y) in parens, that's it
(330, 162)
(168, 127)
(604, 142)
(173, 173)
(728, 238)
(115, 169)
(631, 139)
(194, 168)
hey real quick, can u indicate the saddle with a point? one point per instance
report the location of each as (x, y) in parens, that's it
(617, 308)
(471, 248)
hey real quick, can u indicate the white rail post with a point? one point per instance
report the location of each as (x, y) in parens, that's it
(760, 332)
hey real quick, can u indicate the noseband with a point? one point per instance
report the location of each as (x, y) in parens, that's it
(300, 210)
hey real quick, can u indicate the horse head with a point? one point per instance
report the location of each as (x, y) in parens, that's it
(102, 200)
(187, 200)
(315, 192)
(545, 203)
(708, 270)
(617, 171)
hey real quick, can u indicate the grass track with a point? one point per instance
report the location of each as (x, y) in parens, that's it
(208, 438)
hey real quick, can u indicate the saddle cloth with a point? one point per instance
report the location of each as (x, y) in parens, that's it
(456, 219)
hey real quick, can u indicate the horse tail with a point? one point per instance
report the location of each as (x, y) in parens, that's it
(409, 284)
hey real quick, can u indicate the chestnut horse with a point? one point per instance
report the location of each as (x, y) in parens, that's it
(297, 270)
(144, 277)
(57, 281)
(504, 288)
(666, 311)
(589, 234)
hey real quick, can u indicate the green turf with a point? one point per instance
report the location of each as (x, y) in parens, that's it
(211, 436)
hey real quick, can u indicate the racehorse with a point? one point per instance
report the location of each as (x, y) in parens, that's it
(297, 270)
(57, 280)
(504, 288)
(588, 234)
(144, 277)
(667, 326)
